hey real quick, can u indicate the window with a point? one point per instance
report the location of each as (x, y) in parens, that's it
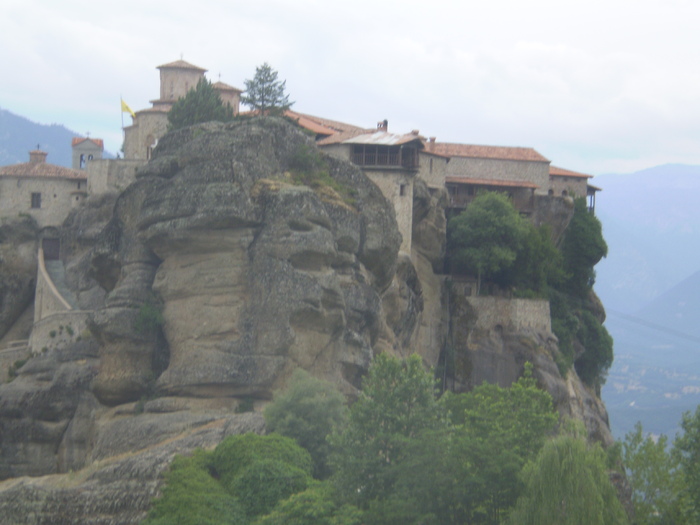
(36, 200)
(402, 190)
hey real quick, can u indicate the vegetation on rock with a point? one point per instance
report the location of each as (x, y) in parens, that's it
(202, 104)
(491, 240)
(307, 411)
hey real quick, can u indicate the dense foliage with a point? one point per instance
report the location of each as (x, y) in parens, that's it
(264, 93)
(307, 411)
(201, 104)
(403, 456)
(665, 480)
(489, 239)
(582, 248)
(568, 484)
(486, 237)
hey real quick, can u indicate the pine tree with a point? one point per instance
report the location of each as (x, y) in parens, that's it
(265, 93)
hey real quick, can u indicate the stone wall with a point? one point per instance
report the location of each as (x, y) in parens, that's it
(498, 169)
(47, 299)
(397, 187)
(511, 314)
(58, 330)
(109, 175)
(571, 186)
(433, 170)
(58, 197)
(143, 134)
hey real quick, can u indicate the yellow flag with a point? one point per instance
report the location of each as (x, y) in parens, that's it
(127, 109)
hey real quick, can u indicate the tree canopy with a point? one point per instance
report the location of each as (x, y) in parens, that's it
(568, 484)
(486, 237)
(582, 248)
(307, 411)
(264, 93)
(202, 104)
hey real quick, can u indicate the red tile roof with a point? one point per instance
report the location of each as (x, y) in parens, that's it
(484, 152)
(80, 140)
(41, 170)
(561, 172)
(181, 64)
(491, 182)
(225, 87)
(324, 125)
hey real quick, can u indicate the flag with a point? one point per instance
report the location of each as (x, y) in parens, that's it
(127, 109)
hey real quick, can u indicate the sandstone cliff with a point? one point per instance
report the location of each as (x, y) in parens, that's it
(211, 278)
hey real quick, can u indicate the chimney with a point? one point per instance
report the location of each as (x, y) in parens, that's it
(415, 132)
(383, 125)
(432, 140)
(37, 157)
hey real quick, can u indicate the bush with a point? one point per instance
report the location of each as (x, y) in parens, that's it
(265, 482)
(235, 453)
(314, 506)
(307, 411)
(192, 497)
(150, 316)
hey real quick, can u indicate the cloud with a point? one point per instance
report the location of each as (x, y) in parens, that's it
(594, 86)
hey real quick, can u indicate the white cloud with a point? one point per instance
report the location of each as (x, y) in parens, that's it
(596, 86)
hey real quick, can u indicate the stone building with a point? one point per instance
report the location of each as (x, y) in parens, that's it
(391, 161)
(45, 191)
(150, 124)
(86, 150)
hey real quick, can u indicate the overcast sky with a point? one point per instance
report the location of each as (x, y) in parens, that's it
(594, 86)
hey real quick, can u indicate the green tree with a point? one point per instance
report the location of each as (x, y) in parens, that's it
(191, 496)
(497, 430)
(652, 472)
(396, 429)
(595, 361)
(568, 484)
(687, 449)
(486, 237)
(307, 411)
(265, 93)
(265, 482)
(316, 505)
(201, 104)
(582, 248)
(235, 453)
(538, 264)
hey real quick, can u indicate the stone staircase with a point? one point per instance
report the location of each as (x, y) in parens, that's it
(57, 273)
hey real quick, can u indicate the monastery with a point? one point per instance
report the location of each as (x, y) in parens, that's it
(393, 161)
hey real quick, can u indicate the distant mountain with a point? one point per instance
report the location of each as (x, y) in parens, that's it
(656, 374)
(651, 222)
(650, 286)
(19, 135)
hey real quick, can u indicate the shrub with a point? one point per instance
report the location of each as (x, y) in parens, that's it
(265, 482)
(307, 411)
(191, 496)
(235, 453)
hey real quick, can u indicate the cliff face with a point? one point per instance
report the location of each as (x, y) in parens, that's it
(212, 278)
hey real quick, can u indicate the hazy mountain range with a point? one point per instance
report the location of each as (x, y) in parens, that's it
(18, 136)
(650, 286)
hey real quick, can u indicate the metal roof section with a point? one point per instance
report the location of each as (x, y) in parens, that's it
(384, 138)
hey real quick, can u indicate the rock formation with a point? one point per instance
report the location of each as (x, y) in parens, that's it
(212, 277)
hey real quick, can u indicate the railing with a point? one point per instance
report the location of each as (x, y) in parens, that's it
(368, 157)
